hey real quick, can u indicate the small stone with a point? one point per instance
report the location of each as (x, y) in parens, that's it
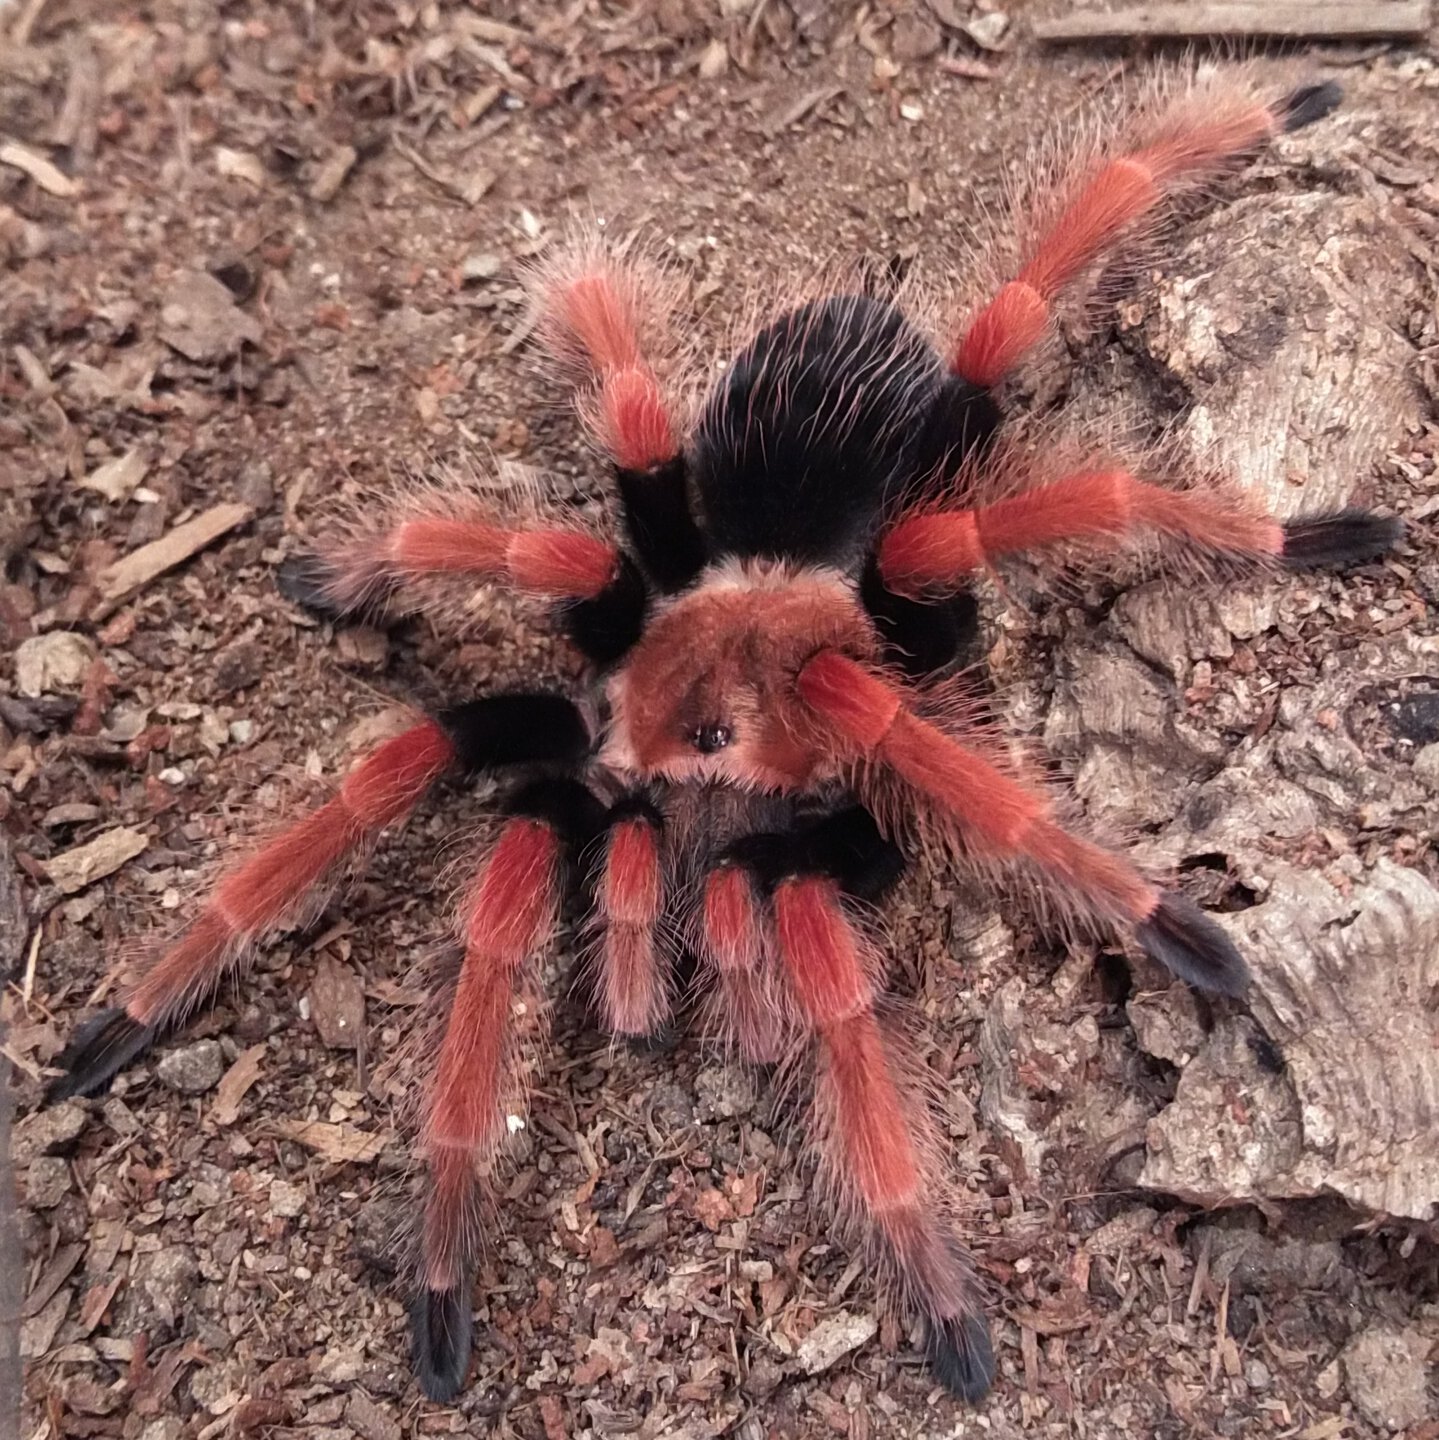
(193, 1069)
(242, 731)
(168, 1278)
(724, 1091)
(257, 487)
(833, 1338)
(47, 1132)
(47, 1182)
(480, 266)
(368, 1420)
(170, 1428)
(287, 1200)
(1386, 1371)
(239, 666)
(1426, 766)
(52, 663)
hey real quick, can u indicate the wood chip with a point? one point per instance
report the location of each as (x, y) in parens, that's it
(833, 1338)
(72, 870)
(337, 1005)
(234, 1084)
(116, 479)
(97, 1300)
(47, 176)
(128, 574)
(340, 1144)
(1334, 19)
(52, 1277)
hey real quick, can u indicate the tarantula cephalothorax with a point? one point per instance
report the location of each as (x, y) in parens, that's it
(767, 644)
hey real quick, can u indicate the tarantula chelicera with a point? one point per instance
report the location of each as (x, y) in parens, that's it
(771, 726)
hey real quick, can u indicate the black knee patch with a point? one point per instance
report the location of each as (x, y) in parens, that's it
(529, 729)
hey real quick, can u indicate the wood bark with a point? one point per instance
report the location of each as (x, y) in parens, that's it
(1336, 20)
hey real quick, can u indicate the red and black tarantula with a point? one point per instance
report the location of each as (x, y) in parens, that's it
(771, 728)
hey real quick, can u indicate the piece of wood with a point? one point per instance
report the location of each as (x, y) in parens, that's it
(1335, 20)
(122, 579)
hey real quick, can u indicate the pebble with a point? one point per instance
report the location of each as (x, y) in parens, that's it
(193, 1069)
(287, 1200)
(1386, 1372)
(47, 1182)
(168, 1278)
(47, 1131)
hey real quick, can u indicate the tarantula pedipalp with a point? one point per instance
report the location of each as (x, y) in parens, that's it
(768, 733)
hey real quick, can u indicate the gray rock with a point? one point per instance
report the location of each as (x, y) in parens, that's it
(47, 1182)
(1386, 1371)
(47, 1132)
(194, 1069)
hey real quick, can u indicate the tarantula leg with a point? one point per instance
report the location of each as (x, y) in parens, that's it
(257, 896)
(1346, 537)
(509, 916)
(593, 311)
(1194, 138)
(846, 846)
(989, 814)
(941, 550)
(733, 945)
(359, 574)
(632, 986)
(873, 1135)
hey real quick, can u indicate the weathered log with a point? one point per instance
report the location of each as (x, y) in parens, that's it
(1313, 19)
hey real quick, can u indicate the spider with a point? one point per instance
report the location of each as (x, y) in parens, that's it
(770, 729)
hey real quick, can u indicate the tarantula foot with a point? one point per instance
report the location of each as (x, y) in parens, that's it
(440, 1327)
(101, 1048)
(1186, 941)
(307, 579)
(1309, 103)
(660, 1041)
(1344, 538)
(961, 1356)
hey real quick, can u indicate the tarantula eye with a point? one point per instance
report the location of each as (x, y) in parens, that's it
(707, 739)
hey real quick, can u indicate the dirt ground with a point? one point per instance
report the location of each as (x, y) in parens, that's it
(257, 258)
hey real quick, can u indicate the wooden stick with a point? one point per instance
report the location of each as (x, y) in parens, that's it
(1326, 19)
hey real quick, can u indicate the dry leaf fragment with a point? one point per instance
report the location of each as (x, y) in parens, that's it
(340, 1144)
(116, 479)
(73, 870)
(120, 580)
(235, 1083)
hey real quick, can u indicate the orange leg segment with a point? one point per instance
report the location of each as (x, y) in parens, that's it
(943, 550)
(870, 1128)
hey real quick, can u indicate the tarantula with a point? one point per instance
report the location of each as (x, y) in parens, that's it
(770, 729)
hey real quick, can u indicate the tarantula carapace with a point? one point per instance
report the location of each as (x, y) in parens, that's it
(773, 724)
